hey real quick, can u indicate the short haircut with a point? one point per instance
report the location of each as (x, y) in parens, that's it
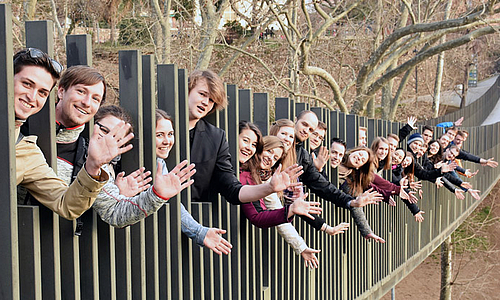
(393, 136)
(321, 125)
(452, 128)
(427, 127)
(115, 111)
(338, 141)
(305, 112)
(82, 75)
(453, 146)
(215, 86)
(462, 133)
(24, 58)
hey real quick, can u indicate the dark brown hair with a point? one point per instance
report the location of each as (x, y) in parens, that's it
(115, 111)
(360, 178)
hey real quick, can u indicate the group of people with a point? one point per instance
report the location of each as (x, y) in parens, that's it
(273, 171)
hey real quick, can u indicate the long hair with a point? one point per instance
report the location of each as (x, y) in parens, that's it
(253, 165)
(410, 169)
(360, 178)
(386, 162)
(251, 126)
(436, 157)
(289, 157)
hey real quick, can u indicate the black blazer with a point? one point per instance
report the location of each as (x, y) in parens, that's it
(214, 171)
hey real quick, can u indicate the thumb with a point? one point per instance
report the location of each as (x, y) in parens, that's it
(220, 231)
(315, 251)
(120, 175)
(313, 155)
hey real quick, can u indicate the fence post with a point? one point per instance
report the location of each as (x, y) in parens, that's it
(169, 236)
(130, 241)
(151, 223)
(9, 283)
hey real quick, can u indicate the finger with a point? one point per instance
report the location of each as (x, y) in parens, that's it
(179, 167)
(186, 170)
(122, 150)
(122, 141)
(222, 247)
(186, 184)
(309, 216)
(226, 244)
(120, 175)
(186, 176)
(137, 172)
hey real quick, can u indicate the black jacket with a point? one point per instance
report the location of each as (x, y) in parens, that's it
(214, 172)
(316, 182)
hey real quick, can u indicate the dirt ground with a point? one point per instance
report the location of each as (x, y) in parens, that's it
(476, 272)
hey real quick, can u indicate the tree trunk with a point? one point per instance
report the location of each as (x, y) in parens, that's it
(30, 9)
(60, 32)
(446, 258)
(439, 70)
(294, 77)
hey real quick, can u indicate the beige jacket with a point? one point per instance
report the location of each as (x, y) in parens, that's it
(33, 172)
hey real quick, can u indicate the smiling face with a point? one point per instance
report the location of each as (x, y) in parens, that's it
(164, 138)
(247, 141)
(358, 158)
(406, 162)
(397, 156)
(427, 136)
(337, 152)
(451, 153)
(286, 135)
(444, 140)
(459, 141)
(32, 86)
(78, 104)
(382, 151)
(434, 148)
(199, 101)
(268, 158)
(305, 126)
(393, 144)
(317, 138)
(415, 146)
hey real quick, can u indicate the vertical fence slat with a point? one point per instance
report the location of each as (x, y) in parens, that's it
(9, 285)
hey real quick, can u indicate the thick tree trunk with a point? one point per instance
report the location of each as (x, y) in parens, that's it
(446, 257)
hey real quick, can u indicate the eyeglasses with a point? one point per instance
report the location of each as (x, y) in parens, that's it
(37, 53)
(104, 129)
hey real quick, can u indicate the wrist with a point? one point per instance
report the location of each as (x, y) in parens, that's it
(158, 195)
(92, 169)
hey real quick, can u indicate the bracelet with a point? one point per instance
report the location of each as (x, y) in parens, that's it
(159, 196)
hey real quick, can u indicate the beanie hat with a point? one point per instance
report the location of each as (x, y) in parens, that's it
(415, 137)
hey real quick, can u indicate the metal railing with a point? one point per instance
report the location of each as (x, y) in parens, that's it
(43, 259)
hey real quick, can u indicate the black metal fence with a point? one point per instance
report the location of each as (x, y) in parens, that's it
(43, 259)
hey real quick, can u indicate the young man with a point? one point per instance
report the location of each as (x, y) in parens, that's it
(35, 74)
(337, 151)
(319, 153)
(305, 124)
(210, 150)
(427, 134)
(362, 136)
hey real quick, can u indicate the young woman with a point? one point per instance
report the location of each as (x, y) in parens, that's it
(119, 210)
(260, 168)
(284, 129)
(407, 169)
(380, 147)
(434, 153)
(249, 143)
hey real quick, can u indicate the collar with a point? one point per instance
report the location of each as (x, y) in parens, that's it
(68, 134)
